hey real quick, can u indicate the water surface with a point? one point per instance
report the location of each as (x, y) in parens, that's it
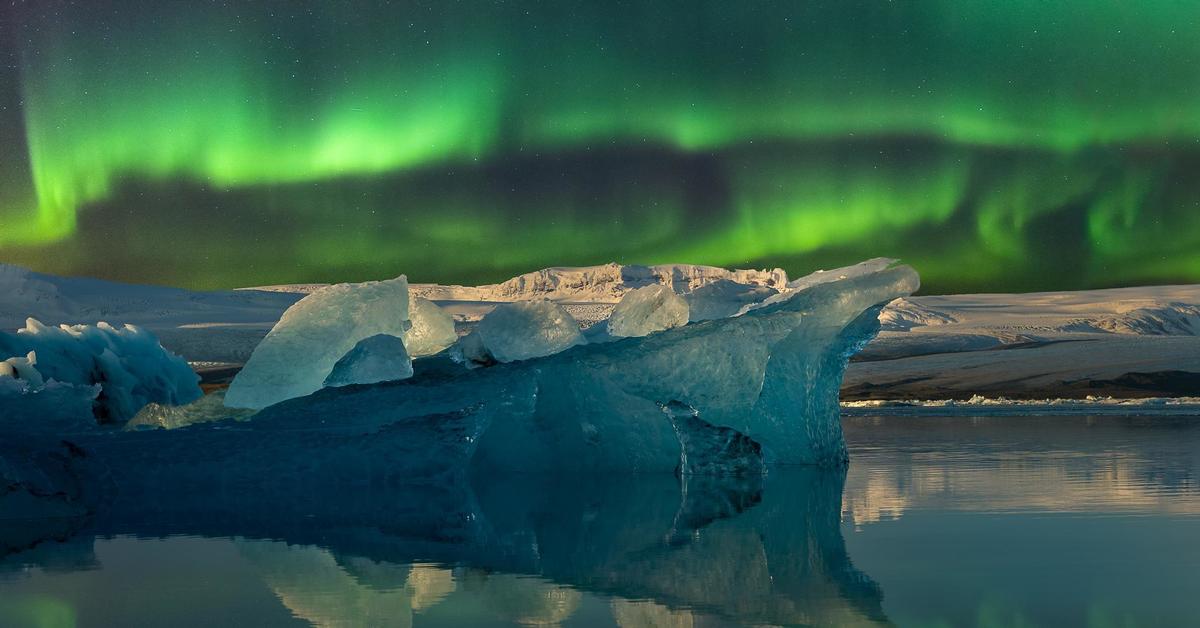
(1029, 521)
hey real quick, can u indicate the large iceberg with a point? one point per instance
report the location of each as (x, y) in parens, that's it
(726, 397)
(715, 394)
(646, 310)
(299, 353)
(118, 369)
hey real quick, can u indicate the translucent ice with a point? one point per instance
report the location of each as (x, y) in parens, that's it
(130, 366)
(380, 358)
(723, 298)
(647, 310)
(763, 385)
(528, 329)
(295, 358)
(432, 328)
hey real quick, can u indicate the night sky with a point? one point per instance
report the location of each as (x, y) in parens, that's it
(1011, 145)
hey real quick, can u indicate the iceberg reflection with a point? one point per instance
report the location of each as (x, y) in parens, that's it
(524, 549)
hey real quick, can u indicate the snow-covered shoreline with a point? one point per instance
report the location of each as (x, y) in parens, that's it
(1000, 406)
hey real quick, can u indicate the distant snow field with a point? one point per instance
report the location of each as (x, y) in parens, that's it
(1141, 342)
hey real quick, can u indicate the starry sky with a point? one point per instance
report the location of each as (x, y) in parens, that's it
(1016, 145)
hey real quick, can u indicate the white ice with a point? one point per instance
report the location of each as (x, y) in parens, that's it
(300, 351)
(647, 310)
(527, 329)
(432, 328)
(724, 298)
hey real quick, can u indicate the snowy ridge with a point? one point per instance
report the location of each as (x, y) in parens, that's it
(1171, 319)
(905, 314)
(605, 283)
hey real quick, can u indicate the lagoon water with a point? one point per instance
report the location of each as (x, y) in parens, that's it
(949, 521)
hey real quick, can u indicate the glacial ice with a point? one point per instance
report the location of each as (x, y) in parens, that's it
(526, 330)
(723, 397)
(128, 364)
(766, 381)
(723, 298)
(23, 368)
(380, 358)
(646, 310)
(432, 328)
(301, 350)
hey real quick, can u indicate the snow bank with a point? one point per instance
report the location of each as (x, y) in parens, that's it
(301, 350)
(979, 405)
(128, 364)
(647, 310)
(1170, 319)
(526, 330)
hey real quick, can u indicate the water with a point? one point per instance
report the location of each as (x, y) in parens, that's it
(1031, 521)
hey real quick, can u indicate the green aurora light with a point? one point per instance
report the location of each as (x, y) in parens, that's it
(1015, 145)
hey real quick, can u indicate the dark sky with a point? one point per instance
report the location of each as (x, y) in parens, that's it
(994, 145)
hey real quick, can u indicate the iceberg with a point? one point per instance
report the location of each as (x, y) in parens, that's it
(763, 384)
(301, 350)
(526, 330)
(127, 366)
(432, 328)
(380, 358)
(728, 397)
(646, 310)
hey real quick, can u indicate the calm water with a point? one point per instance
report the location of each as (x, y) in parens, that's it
(1029, 521)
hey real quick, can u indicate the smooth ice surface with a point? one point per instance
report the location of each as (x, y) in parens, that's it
(130, 366)
(380, 358)
(296, 357)
(724, 298)
(528, 329)
(432, 328)
(647, 310)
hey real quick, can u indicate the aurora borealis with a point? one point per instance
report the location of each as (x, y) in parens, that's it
(994, 145)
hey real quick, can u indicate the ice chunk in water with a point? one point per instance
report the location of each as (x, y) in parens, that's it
(128, 363)
(528, 329)
(380, 358)
(432, 328)
(299, 353)
(647, 310)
